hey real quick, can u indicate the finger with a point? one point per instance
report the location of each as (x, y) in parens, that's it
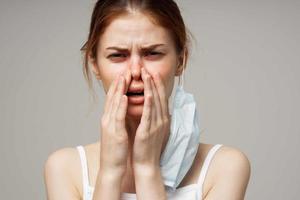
(154, 111)
(162, 95)
(148, 82)
(158, 114)
(121, 113)
(117, 98)
(128, 80)
(109, 95)
(146, 116)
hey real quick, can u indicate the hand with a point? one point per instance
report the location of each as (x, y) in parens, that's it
(154, 126)
(114, 138)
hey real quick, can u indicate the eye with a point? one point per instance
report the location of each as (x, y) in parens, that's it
(117, 57)
(153, 54)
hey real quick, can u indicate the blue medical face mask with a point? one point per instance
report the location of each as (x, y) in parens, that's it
(184, 138)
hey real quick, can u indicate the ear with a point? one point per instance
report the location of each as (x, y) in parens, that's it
(181, 62)
(95, 67)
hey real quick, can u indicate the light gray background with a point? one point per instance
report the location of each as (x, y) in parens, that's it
(244, 73)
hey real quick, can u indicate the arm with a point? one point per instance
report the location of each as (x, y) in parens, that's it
(232, 178)
(114, 144)
(59, 179)
(58, 176)
(149, 138)
(108, 186)
(149, 183)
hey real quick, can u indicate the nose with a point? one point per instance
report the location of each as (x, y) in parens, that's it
(135, 67)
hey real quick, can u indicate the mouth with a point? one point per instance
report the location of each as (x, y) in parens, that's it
(129, 94)
(135, 97)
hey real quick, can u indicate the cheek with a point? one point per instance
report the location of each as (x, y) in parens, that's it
(167, 73)
(109, 72)
(164, 67)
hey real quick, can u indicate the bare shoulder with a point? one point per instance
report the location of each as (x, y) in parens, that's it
(59, 159)
(232, 160)
(61, 174)
(230, 169)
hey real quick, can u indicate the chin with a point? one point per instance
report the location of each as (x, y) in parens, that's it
(135, 111)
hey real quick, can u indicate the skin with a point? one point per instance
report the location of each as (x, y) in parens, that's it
(133, 32)
(126, 159)
(140, 130)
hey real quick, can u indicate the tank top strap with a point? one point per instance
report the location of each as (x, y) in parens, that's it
(85, 176)
(206, 164)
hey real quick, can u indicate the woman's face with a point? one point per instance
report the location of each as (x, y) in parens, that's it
(130, 43)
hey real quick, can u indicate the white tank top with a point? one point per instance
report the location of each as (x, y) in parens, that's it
(188, 192)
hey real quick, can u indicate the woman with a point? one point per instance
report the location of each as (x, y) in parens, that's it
(136, 49)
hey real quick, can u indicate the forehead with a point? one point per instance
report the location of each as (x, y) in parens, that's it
(134, 29)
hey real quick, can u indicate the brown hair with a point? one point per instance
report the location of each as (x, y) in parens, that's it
(164, 13)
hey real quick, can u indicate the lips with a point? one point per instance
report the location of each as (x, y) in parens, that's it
(135, 91)
(135, 95)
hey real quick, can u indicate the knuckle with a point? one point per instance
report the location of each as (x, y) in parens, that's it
(115, 102)
(119, 118)
(160, 123)
(121, 138)
(165, 119)
(149, 96)
(142, 137)
(157, 129)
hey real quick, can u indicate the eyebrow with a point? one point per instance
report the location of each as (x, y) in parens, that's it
(143, 48)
